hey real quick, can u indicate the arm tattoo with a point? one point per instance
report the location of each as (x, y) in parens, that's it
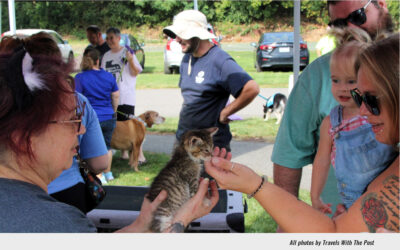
(382, 211)
(177, 227)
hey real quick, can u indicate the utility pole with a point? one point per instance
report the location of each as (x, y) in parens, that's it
(195, 5)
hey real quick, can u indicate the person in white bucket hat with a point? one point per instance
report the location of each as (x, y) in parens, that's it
(208, 76)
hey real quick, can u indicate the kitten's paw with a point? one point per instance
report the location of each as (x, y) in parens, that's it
(207, 202)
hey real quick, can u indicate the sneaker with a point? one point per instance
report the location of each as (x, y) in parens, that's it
(109, 176)
(103, 179)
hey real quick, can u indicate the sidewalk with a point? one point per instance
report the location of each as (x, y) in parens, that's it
(256, 155)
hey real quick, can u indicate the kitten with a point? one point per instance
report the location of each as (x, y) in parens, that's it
(180, 177)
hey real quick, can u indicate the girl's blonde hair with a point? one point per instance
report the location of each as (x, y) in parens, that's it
(349, 43)
(89, 59)
(380, 62)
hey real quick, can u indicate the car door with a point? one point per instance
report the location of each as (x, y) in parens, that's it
(61, 45)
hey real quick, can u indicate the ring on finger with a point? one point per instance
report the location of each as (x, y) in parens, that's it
(232, 167)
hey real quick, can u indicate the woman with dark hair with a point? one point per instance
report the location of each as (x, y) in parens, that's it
(100, 87)
(377, 94)
(40, 119)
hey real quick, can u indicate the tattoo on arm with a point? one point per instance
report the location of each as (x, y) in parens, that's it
(382, 210)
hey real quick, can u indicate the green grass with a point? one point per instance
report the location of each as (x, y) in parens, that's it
(257, 220)
(251, 128)
(153, 76)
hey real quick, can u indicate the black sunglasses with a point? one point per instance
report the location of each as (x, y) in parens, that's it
(370, 101)
(357, 17)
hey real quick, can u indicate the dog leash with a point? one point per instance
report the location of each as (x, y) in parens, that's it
(132, 117)
(263, 97)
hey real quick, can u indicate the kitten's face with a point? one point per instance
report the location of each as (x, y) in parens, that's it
(199, 143)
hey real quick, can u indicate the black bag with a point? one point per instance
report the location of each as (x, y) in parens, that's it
(95, 192)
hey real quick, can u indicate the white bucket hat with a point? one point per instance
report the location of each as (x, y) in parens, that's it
(188, 24)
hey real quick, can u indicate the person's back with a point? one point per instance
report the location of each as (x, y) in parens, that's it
(97, 86)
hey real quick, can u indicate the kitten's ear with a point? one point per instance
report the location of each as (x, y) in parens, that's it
(193, 141)
(212, 131)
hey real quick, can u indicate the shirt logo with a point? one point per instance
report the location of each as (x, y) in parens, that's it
(200, 77)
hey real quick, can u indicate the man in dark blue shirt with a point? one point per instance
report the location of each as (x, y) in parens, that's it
(208, 76)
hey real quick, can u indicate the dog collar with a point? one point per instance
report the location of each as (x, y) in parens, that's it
(133, 117)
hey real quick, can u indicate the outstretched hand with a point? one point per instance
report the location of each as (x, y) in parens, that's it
(231, 175)
(142, 222)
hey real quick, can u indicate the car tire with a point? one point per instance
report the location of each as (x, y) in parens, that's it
(258, 68)
(167, 70)
(176, 70)
(142, 63)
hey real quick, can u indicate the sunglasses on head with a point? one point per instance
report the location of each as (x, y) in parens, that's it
(370, 101)
(357, 17)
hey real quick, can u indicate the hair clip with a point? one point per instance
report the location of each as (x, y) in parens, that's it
(31, 78)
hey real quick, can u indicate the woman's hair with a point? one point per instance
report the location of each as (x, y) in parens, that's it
(380, 62)
(90, 58)
(349, 42)
(33, 89)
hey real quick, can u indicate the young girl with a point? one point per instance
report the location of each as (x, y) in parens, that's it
(346, 138)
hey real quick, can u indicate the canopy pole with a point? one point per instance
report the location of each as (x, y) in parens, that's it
(296, 44)
(11, 14)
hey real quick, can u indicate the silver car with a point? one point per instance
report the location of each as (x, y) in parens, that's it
(65, 48)
(172, 56)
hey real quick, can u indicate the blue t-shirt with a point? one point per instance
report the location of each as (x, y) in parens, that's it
(206, 87)
(91, 144)
(97, 86)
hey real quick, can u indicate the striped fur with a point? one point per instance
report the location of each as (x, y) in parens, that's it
(180, 177)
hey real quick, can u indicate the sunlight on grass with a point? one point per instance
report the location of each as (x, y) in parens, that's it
(251, 128)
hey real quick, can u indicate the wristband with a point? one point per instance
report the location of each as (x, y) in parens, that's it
(263, 179)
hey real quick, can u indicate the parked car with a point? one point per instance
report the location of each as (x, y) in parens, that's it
(275, 50)
(65, 48)
(173, 53)
(172, 56)
(128, 39)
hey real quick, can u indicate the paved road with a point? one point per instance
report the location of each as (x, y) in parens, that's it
(256, 155)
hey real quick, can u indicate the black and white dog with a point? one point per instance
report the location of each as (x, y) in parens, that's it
(275, 105)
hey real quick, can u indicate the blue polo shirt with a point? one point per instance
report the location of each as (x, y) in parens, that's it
(97, 86)
(206, 87)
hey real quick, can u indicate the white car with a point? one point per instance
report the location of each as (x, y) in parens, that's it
(172, 56)
(65, 48)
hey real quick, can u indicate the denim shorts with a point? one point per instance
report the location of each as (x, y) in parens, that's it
(107, 127)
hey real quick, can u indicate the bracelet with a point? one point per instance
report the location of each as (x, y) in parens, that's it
(263, 179)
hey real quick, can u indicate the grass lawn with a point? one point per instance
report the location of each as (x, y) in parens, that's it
(153, 76)
(251, 128)
(257, 220)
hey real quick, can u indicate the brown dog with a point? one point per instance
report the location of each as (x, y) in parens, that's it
(129, 135)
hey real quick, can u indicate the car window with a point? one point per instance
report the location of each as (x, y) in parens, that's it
(278, 37)
(134, 43)
(57, 38)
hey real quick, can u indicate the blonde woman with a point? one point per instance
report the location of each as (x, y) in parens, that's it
(377, 95)
(101, 89)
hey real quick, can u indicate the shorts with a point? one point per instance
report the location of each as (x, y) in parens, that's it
(126, 110)
(107, 127)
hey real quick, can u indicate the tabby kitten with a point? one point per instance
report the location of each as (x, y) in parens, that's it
(180, 177)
